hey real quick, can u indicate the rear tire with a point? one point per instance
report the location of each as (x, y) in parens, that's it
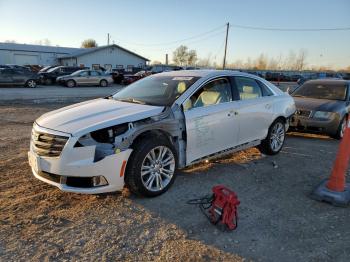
(70, 83)
(151, 167)
(274, 141)
(103, 83)
(31, 83)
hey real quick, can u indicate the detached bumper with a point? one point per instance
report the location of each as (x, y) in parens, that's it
(329, 126)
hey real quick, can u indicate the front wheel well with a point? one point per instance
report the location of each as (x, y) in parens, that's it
(151, 134)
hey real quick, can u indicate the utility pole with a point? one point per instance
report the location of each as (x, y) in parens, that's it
(108, 37)
(224, 63)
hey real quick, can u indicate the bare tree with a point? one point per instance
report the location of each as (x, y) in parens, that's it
(89, 43)
(192, 57)
(180, 55)
(301, 60)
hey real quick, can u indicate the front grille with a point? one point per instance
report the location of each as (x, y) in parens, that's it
(49, 145)
(303, 113)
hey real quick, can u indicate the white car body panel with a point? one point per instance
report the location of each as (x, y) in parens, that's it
(209, 130)
(82, 118)
(203, 135)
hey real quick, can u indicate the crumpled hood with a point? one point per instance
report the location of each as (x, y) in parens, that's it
(82, 118)
(314, 104)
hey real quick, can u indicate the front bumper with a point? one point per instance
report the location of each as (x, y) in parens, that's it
(312, 125)
(75, 167)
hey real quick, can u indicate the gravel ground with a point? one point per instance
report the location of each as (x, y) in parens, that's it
(277, 219)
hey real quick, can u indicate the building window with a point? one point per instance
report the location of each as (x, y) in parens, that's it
(108, 67)
(81, 65)
(119, 66)
(129, 68)
(96, 66)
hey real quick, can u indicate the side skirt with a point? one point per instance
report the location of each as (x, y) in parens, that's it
(227, 151)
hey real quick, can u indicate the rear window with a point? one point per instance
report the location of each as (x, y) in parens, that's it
(331, 91)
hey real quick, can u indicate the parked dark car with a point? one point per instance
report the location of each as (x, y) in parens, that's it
(12, 76)
(117, 75)
(128, 79)
(322, 107)
(49, 77)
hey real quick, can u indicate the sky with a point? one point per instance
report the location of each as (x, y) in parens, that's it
(153, 28)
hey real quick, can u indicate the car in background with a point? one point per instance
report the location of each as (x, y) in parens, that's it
(128, 79)
(18, 77)
(117, 75)
(85, 78)
(143, 133)
(322, 107)
(49, 77)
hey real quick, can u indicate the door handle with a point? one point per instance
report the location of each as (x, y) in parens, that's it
(268, 106)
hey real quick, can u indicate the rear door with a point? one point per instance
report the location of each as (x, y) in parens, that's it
(211, 123)
(255, 111)
(95, 77)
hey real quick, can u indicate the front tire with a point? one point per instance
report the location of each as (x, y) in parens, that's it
(70, 83)
(151, 167)
(274, 141)
(341, 129)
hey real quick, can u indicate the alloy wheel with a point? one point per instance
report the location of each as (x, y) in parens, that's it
(277, 137)
(158, 168)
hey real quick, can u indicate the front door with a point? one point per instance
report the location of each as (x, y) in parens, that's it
(211, 123)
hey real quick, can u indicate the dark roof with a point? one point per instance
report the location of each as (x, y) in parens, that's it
(84, 51)
(328, 81)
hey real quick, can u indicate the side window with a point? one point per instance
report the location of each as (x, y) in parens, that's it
(84, 74)
(248, 88)
(215, 92)
(94, 73)
(265, 90)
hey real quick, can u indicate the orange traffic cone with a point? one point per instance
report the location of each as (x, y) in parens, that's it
(335, 190)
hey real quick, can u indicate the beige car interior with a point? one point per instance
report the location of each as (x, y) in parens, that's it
(215, 92)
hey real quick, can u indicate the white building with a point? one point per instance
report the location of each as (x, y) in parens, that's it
(112, 56)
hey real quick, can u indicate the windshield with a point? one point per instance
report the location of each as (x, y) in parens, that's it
(51, 69)
(332, 91)
(156, 90)
(77, 72)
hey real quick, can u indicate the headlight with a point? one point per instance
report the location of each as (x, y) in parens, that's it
(323, 115)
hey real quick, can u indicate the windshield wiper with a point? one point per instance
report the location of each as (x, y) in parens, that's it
(131, 100)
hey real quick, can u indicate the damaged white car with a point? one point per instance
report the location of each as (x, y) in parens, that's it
(142, 134)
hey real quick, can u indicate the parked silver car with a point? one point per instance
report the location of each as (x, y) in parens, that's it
(84, 78)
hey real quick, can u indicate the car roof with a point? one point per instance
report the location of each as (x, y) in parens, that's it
(205, 73)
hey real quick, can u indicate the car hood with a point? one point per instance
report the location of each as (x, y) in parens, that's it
(314, 104)
(85, 117)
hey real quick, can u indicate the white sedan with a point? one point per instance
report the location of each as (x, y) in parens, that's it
(142, 134)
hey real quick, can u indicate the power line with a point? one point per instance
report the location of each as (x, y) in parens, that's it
(176, 41)
(289, 29)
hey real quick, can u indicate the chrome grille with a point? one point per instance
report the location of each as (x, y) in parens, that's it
(303, 113)
(45, 144)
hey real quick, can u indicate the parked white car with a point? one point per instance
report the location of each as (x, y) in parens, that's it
(142, 134)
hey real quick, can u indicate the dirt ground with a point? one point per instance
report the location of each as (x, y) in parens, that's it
(277, 219)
